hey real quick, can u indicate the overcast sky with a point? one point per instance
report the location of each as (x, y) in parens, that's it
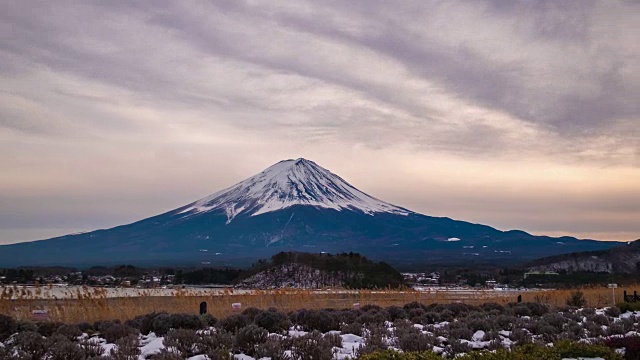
(516, 114)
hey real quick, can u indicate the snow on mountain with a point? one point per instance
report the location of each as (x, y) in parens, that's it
(288, 183)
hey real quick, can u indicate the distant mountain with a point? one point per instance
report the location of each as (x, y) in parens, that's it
(294, 205)
(623, 259)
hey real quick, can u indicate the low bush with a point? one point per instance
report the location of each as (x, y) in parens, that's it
(373, 317)
(273, 321)
(352, 328)
(47, 328)
(248, 338)
(275, 348)
(251, 313)
(216, 345)
(183, 342)
(71, 332)
(312, 346)
(613, 311)
(126, 348)
(375, 339)
(628, 306)
(208, 320)
(8, 327)
(416, 341)
(61, 348)
(116, 331)
(528, 352)
(311, 320)
(234, 322)
(631, 344)
(27, 326)
(396, 312)
(31, 343)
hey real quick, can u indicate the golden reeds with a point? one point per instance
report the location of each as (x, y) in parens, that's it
(91, 304)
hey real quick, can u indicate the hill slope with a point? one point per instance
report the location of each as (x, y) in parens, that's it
(623, 259)
(295, 205)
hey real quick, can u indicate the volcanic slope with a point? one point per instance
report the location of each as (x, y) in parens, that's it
(294, 205)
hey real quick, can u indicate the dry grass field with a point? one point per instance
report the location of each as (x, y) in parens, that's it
(92, 304)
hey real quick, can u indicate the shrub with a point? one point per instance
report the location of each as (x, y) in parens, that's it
(394, 355)
(480, 322)
(520, 336)
(251, 313)
(312, 346)
(625, 306)
(348, 316)
(352, 328)
(613, 311)
(208, 320)
(429, 317)
(568, 349)
(164, 355)
(600, 320)
(505, 322)
(216, 345)
(371, 307)
(587, 311)
(26, 326)
(457, 347)
(85, 327)
(396, 312)
(492, 306)
(631, 344)
(234, 322)
(413, 305)
(416, 342)
(594, 329)
(181, 341)
(555, 320)
(71, 332)
(460, 331)
(416, 314)
(61, 348)
(373, 317)
(576, 299)
(274, 348)
(273, 321)
(8, 327)
(47, 328)
(320, 320)
(91, 349)
(186, 321)
(537, 309)
(520, 310)
(334, 340)
(126, 348)
(374, 340)
(248, 337)
(30, 343)
(447, 315)
(114, 331)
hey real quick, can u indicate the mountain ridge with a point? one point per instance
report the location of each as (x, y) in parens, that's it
(294, 205)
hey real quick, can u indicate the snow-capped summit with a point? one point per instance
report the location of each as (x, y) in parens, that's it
(288, 183)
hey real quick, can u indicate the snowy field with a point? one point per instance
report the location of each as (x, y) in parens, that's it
(416, 328)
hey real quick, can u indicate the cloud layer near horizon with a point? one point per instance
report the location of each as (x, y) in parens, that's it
(514, 114)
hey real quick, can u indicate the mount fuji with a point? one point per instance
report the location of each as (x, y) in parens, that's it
(294, 205)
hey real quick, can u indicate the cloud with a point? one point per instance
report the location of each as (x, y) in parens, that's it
(153, 101)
